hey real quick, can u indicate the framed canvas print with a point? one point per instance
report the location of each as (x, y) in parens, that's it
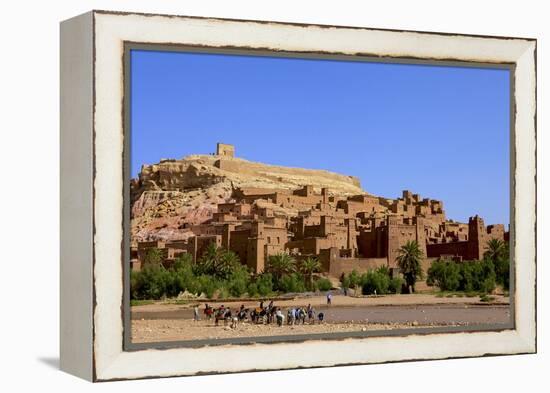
(247, 195)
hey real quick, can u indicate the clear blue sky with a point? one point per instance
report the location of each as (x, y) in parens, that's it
(442, 132)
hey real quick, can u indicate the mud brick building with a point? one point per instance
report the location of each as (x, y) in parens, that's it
(471, 246)
(349, 232)
(358, 232)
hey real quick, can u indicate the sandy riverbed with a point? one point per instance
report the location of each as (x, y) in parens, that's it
(173, 322)
(316, 301)
(183, 329)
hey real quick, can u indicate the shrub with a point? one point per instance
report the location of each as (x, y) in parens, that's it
(472, 276)
(378, 280)
(265, 284)
(489, 281)
(344, 280)
(184, 278)
(323, 284)
(207, 285)
(486, 298)
(223, 293)
(488, 285)
(354, 279)
(291, 283)
(375, 281)
(498, 253)
(444, 274)
(383, 270)
(152, 282)
(502, 272)
(396, 285)
(466, 276)
(252, 289)
(153, 256)
(237, 287)
(238, 281)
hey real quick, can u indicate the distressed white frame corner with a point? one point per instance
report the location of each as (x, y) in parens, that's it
(92, 47)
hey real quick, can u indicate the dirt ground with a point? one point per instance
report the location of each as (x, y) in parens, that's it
(170, 322)
(316, 301)
(184, 329)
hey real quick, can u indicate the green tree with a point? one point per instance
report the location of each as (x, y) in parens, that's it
(307, 267)
(354, 280)
(409, 259)
(465, 276)
(205, 264)
(496, 250)
(226, 264)
(264, 284)
(396, 284)
(217, 262)
(489, 282)
(324, 284)
(238, 280)
(446, 275)
(183, 261)
(152, 282)
(292, 283)
(498, 253)
(344, 280)
(153, 256)
(184, 277)
(280, 264)
(375, 281)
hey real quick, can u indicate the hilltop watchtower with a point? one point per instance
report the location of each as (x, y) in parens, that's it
(225, 150)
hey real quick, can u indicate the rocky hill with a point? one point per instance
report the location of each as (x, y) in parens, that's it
(169, 195)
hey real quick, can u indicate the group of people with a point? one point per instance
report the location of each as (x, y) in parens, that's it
(261, 314)
(296, 315)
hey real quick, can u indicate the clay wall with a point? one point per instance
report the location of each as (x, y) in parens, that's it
(399, 234)
(205, 229)
(226, 150)
(373, 243)
(196, 245)
(361, 265)
(276, 236)
(277, 222)
(238, 243)
(454, 248)
(224, 217)
(256, 254)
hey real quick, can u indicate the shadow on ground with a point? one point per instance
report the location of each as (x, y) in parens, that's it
(52, 362)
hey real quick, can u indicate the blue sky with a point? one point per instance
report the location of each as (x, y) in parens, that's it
(441, 132)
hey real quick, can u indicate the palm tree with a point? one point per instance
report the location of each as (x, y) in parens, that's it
(226, 263)
(217, 262)
(498, 253)
(207, 262)
(281, 264)
(408, 260)
(496, 250)
(307, 267)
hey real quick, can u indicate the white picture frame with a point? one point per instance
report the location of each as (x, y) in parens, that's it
(92, 193)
